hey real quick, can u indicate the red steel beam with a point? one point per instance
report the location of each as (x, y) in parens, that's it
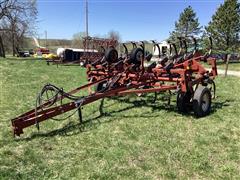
(32, 112)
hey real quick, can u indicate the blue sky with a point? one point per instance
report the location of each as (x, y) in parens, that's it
(133, 19)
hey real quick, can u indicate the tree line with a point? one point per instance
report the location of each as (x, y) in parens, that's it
(224, 27)
(18, 19)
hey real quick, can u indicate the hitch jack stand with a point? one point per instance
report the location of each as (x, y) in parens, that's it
(80, 114)
(101, 107)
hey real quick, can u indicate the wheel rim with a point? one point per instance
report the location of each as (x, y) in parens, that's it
(205, 102)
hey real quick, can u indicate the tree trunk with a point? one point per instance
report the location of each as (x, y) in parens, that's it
(13, 38)
(227, 62)
(186, 30)
(13, 43)
(225, 58)
(2, 51)
(226, 50)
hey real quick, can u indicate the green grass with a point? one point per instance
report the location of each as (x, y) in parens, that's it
(136, 139)
(234, 66)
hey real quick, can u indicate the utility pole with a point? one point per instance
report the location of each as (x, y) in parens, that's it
(86, 11)
(86, 21)
(45, 38)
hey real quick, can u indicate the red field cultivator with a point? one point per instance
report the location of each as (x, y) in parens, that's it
(179, 71)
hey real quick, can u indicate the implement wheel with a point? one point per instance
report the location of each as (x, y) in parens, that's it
(202, 100)
(111, 55)
(183, 102)
(136, 55)
(101, 87)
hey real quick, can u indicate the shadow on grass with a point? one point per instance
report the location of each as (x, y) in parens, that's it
(72, 128)
(219, 105)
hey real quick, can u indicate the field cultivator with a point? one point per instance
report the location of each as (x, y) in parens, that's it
(179, 71)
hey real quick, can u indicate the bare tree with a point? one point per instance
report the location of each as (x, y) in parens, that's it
(19, 17)
(5, 6)
(77, 40)
(114, 35)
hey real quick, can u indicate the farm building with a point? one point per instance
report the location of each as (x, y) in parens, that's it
(164, 46)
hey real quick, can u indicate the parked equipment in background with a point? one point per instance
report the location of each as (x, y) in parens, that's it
(92, 48)
(23, 54)
(42, 50)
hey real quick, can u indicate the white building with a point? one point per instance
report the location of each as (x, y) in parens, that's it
(164, 48)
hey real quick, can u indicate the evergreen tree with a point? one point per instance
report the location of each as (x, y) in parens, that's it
(224, 27)
(187, 25)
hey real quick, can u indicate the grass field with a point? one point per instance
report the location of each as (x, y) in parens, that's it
(136, 139)
(234, 66)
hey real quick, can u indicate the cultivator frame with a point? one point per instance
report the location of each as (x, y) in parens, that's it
(115, 76)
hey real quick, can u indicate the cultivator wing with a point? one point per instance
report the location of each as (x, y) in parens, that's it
(47, 110)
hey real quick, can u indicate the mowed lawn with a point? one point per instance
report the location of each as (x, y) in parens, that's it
(135, 139)
(233, 66)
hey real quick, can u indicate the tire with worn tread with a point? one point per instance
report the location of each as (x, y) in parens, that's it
(202, 100)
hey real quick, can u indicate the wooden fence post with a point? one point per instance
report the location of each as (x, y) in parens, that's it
(226, 67)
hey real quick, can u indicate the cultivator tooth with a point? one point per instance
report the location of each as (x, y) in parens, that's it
(178, 71)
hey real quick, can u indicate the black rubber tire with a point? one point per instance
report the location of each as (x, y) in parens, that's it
(202, 100)
(100, 87)
(111, 55)
(135, 55)
(149, 57)
(183, 102)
